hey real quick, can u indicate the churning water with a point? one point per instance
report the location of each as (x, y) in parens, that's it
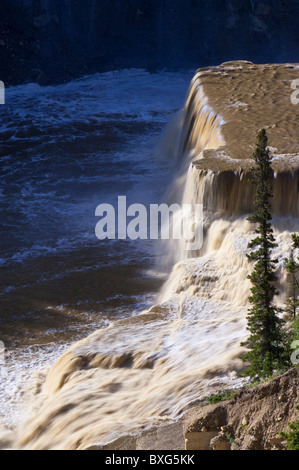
(64, 150)
(155, 346)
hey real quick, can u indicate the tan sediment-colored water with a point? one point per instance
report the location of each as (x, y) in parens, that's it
(146, 370)
(250, 96)
(244, 98)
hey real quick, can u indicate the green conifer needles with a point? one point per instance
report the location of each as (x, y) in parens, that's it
(265, 342)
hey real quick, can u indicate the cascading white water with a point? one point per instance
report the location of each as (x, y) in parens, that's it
(200, 129)
(145, 370)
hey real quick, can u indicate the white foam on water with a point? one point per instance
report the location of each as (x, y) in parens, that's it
(65, 187)
(146, 369)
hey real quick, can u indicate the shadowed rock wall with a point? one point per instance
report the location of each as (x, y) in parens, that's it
(55, 40)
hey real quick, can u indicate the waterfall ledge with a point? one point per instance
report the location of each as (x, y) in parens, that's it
(241, 98)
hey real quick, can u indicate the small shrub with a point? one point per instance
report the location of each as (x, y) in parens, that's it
(292, 437)
(218, 397)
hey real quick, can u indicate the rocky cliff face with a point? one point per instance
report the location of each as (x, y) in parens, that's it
(252, 420)
(54, 40)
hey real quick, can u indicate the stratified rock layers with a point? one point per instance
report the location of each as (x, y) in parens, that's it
(252, 420)
(243, 98)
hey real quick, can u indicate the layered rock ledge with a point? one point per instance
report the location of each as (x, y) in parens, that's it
(226, 107)
(248, 97)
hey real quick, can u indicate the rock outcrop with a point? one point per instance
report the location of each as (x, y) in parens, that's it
(168, 437)
(239, 98)
(251, 420)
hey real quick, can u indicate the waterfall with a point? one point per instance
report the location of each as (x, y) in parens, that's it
(227, 197)
(200, 129)
(144, 370)
(230, 193)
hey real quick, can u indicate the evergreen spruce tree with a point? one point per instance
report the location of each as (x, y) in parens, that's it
(265, 350)
(292, 344)
(292, 300)
(292, 268)
(295, 329)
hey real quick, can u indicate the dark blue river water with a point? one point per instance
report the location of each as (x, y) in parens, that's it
(65, 149)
